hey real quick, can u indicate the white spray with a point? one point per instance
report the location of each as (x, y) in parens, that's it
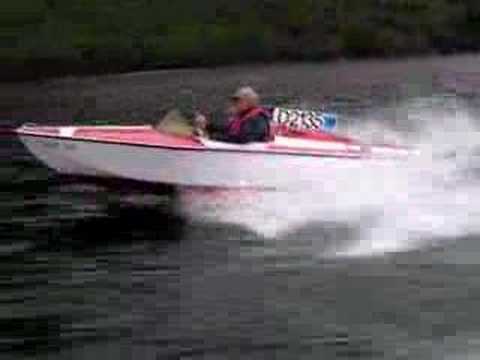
(391, 208)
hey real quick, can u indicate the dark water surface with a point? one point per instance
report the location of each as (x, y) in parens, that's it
(90, 272)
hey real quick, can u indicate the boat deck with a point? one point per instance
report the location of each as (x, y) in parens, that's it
(136, 135)
(292, 142)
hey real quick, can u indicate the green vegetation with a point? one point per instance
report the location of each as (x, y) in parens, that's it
(62, 36)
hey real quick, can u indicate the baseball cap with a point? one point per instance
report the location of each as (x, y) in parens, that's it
(246, 93)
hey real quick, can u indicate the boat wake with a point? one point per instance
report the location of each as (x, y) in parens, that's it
(388, 208)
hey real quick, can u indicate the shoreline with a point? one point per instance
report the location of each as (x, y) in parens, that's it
(47, 75)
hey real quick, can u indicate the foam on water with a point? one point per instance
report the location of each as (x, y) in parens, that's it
(392, 207)
(434, 195)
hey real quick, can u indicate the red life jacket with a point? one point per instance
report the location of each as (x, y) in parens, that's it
(236, 122)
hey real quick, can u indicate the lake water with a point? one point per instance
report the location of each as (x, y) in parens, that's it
(382, 266)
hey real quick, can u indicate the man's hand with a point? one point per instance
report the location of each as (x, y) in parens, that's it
(200, 123)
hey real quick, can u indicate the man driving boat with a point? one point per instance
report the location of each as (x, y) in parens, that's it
(248, 123)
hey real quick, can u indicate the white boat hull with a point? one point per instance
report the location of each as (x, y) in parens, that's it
(183, 167)
(141, 154)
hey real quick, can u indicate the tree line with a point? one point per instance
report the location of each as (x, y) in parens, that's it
(62, 36)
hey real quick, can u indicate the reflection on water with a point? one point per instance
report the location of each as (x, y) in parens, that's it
(375, 266)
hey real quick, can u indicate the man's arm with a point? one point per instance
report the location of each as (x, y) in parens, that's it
(255, 130)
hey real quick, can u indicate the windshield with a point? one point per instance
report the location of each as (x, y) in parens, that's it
(174, 122)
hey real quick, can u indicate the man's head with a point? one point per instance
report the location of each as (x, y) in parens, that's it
(244, 99)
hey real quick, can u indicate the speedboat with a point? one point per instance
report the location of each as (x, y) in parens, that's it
(294, 157)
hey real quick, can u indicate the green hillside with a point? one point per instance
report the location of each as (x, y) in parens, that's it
(62, 36)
